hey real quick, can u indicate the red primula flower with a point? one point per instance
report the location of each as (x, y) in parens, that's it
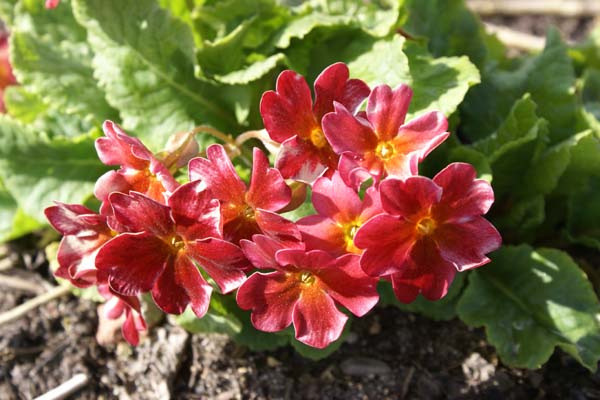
(382, 144)
(303, 289)
(162, 246)
(140, 171)
(340, 213)
(6, 75)
(291, 118)
(434, 229)
(84, 233)
(50, 4)
(246, 211)
(116, 306)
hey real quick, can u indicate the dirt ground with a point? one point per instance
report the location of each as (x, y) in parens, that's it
(390, 354)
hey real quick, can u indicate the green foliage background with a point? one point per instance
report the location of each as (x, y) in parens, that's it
(530, 125)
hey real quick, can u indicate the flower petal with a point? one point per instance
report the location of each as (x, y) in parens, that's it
(167, 293)
(346, 132)
(334, 199)
(301, 260)
(197, 289)
(348, 285)
(333, 85)
(464, 195)
(223, 261)
(412, 197)
(118, 148)
(267, 189)
(288, 111)
(386, 241)
(196, 213)
(276, 226)
(386, 109)
(133, 261)
(317, 321)
(302, 161)
(322, 233)
(271, 297)
(261, 250)
(465, 244)
(65, 218)
(140, 213)
(219, 175)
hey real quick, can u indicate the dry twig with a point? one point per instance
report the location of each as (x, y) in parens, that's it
(515, 39)
(31, 304)
(66, 389)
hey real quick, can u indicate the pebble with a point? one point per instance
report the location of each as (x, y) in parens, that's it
(363, 366)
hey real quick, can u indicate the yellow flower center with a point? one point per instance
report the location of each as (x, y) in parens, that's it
(306, 278)
(349, 233)
(385, 151)
(248, 213)
(317, 137)
(176, 242)
(426, 226)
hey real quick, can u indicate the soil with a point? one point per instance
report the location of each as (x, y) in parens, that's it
(390, 354)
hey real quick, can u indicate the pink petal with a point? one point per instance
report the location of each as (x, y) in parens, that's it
(422, 134)
(219, 175)
(111, 181)
(464, 195)
(277, 227)
(426, 272)
(129, 330)
(271, 297)
(50, 4)
(386, 109)
(386, 241)
(465, 244)
(316, 319)
(346, 132)
(334, 199)
(322, 233)
(349, 285)
(140, 213)
(333, 85)
(261, 250)
(167, 292)
(198, 290)
(267, 189)
(312, 261)
(223, 261)
(351, 170)
(288, 111)
(134, 261)
(371, 205)
(302, 161)
(66, 219)
(412, 197)
(118, 148)
(196, 213)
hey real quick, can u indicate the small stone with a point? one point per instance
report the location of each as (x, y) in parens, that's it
(273, 362)
(363, 366)
(477, 369)
(375, 327)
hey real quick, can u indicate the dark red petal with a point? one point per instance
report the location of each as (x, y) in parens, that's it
(349, 285)
(334, 199)
(140, 213)
(351, 170)
(267, 189)
(412, 197)
(196, 213)
(312, 261)
(288, 111)
(464, 195)
(277, 227)
(261, 250)
(465, 244)
(300, 160)
(219, 175)
(386, 241)
(190, 279)
(426, 271)
(134, 261)
(386, 109)
(129, 330)
(333, 85)
(316, 319)
(167, 293)
(271, 297)
(346, 132)
(322, 233)
(223, 261)
(66, 219)
(118, 148)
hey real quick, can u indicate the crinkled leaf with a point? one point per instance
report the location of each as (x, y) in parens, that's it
(13, 222)
(252, 72)
(216, 320)
(61, 75)
(144, 59)
(590, 93)
(531, 301)
(583, 218)
(584, 162)
(38, 170)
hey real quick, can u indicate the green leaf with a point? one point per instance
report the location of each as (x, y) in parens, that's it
(475, 158)
(144, 59)
(51, 58)
(583, 215)
(440, 310)
(216, 320)
(548, 77)
(252, 72)
(13, 223)
(531, 301)
(37, 169)
(438, 84)
(590, 93)
(584, 163)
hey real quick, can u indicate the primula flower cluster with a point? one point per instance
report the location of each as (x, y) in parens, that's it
(375, 217)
